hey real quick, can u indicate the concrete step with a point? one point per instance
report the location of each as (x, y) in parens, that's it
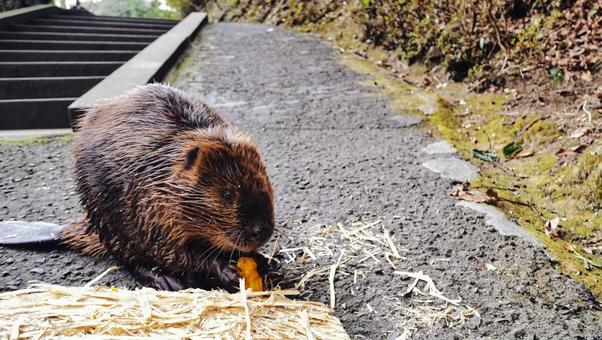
(47, 113)
(18, 35)
(90, 23)
(66, 55)
(69, 45)
(85, 29)
(17, 69)
(46, 87)
(112, 18)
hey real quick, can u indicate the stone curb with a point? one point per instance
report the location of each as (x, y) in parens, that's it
(445, 163)
(150, 65)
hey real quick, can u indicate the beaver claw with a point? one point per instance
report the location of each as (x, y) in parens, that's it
(157, 278)
(228, 276)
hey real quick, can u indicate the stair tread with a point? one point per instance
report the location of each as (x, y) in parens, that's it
(70, 51)
(110, 17)
(61, 63)
(37, 99)
(91, 23)
(71, 28)
(78, 34)
(76, 42)
(61, 78)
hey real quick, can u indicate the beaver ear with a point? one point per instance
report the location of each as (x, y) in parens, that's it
(191, 157)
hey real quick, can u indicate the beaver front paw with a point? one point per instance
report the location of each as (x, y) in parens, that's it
(228, 276)
(157, 278)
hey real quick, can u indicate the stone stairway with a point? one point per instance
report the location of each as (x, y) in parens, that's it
(47, 61)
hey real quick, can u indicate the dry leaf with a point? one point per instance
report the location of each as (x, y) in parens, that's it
(563, 152)
(586, 76)
(551, 228)
(525, 153)
(462, 192)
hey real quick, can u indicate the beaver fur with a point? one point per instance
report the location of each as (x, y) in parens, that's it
(167, 184)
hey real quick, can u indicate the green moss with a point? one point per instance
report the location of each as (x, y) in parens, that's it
(541, 133)
(533, 189)
(182, 69)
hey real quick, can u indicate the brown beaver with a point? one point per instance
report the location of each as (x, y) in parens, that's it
(169, 189)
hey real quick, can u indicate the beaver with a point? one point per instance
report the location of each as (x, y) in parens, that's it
(168, 188)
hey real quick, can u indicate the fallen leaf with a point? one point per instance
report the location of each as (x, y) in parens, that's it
(461, 191)
(586, 76)
(564, 152)
(511, 148)
(491, 193)
(483, 155)
(551, 227)
(525, 153)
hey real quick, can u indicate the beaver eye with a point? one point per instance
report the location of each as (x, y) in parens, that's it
(228, 196)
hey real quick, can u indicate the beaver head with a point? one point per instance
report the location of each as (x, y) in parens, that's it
(228, 200)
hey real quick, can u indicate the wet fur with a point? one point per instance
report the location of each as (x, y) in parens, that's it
(151, 169)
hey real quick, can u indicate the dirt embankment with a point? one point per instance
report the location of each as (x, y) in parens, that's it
(517, 87)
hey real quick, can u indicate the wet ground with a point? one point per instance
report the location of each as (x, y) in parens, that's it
(335, 154)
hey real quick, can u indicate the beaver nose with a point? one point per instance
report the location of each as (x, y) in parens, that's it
(260, 231)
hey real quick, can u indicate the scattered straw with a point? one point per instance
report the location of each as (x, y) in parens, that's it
(432, 290)
(313, 272)
(243, 299)
(45, 310)
(305, 321)
(274, 250)
(331, 274)
(99, 277)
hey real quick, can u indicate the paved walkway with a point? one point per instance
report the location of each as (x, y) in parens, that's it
(335, 153)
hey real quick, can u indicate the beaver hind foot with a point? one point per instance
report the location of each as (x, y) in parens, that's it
(77, 236)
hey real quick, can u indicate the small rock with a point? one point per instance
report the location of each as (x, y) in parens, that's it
(40, 260)
(5, 274)
(9, 260)
(37, 270)
(473, 323)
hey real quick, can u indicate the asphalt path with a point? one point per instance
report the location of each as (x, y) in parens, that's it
(335, 153)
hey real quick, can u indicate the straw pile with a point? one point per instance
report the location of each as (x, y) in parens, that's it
(45, 310)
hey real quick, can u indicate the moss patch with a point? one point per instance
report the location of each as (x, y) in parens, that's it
(532, 189)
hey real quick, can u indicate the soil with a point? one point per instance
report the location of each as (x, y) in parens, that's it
(335, 153)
